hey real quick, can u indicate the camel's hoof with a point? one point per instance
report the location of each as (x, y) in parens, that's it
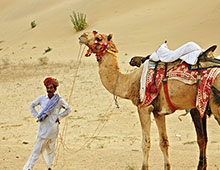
(202, 167)
(167, 167)
(144, 167)
(202, 164)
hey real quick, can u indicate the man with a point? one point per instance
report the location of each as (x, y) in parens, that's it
(49, 118)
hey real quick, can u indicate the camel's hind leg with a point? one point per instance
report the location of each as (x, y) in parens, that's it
(145, 119)
(202, 139)
(164, 143)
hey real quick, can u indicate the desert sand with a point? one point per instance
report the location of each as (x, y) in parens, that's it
(98, 135)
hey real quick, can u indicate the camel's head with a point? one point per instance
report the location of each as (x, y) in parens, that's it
(97, 43)
(138, 60)
(88, 38)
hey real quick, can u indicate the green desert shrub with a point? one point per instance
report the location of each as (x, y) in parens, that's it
(47, 50)
(131, 167)
(43, 60)
(33, 24)
(5, 63)
(79, 21)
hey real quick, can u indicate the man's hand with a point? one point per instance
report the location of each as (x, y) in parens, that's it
(58, 120)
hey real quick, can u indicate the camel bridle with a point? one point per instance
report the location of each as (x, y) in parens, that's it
(99, 47)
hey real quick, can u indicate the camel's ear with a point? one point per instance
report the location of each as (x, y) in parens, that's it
(113, 47)
(109, 37)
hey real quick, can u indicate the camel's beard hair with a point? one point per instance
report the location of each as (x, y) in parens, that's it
(216, 93)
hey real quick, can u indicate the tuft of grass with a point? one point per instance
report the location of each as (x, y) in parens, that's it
(5, 63)
(101, 146)
(43, 60)
(131, 167)
(47, 50)
(79, 21)
(33, 24)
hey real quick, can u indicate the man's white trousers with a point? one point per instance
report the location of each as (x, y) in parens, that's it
(44, 146)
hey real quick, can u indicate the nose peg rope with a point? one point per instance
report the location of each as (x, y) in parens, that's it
(114, 89)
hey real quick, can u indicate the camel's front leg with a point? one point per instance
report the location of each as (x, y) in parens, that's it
(145, 119)
(164, 143)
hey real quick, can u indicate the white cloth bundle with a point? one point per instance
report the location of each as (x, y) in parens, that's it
(218, 57)
(188, 52)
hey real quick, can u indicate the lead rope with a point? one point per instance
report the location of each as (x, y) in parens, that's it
(114, 89)
(63, 133)
(99, 127)
(95, 133)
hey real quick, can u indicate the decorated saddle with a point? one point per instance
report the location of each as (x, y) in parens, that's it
(183, 73)
(156, 73)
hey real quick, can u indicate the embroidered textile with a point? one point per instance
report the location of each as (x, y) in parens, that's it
(204, 87)
(182, 71)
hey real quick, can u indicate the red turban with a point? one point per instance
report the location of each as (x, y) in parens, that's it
(49, 80)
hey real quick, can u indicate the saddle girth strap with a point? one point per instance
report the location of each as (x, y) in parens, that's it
(199, 73)
(165, 88)
(153, 88)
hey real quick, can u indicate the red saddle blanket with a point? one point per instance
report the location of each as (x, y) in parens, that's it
(182, 71)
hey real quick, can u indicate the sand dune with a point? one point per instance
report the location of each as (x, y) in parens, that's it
(138, 28)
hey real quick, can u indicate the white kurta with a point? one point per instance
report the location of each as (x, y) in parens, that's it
(49, 128)
(47, 131)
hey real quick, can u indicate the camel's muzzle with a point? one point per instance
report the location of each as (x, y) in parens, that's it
(83, 39)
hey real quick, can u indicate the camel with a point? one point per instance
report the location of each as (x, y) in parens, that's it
(200, 123)
(127, 86)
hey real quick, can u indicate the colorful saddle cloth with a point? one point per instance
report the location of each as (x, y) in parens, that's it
(182, 72)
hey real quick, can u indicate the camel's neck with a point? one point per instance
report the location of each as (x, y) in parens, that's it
(112, 79)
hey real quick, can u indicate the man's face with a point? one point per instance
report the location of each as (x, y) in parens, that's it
(50, 89)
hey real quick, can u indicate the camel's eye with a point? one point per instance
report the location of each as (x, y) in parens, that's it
(85, 35)
(98, 39)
